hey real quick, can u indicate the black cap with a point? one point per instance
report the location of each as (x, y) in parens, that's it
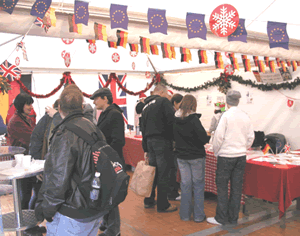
(101, 92)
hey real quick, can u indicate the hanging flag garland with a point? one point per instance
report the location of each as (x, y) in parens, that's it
(92, 48)
(67, 41)
(115, 57)
(224, 20)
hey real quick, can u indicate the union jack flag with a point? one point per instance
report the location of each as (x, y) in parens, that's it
(39, 22)
(9, 71)
(119, 96)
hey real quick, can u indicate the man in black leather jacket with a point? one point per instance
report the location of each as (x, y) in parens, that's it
(60, 202)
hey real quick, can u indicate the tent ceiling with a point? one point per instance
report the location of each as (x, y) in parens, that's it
(258, 43)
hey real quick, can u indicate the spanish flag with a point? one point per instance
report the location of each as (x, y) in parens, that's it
(255, 59)
(283, 66)
(50, 18)
(76, 28)
(134, 47)
(272, 66)
(219, 61)
(186, 55)
(294, 65)
(202, 56)
(266, 149)
(278, 61)
(100, 32)
(261, 66)
(112, 44)
(166, 50)
(122, 38)
(154, 49)
(288, 62)
(266, 61)
(173, 52)
(145, 46)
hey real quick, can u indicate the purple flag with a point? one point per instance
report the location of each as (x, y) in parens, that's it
(118, 16)
(240, 34)
(81, 10)
(196, 26)
(278, 36)
(157, 21)
(40, 7)
(8, 5)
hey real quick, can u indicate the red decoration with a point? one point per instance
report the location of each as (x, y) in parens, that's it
(224, 20)
(115, 57)
(290, 102)
(92, 48)
(67, 59)
(63, 53)
(133, 53)
(147, 74)
(228, 70)
(17, 61)
(133, 65)
(227, 54)
(67, 41)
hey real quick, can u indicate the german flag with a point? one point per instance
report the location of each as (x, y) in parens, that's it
(100, 32)
(272, 66)
(166, 50)
(112, 44)
(91, 41)
(219, 61)
(288, 62)
(261, 66)
(247, 65)
(244, 57)
(122, 38)
(294, 65)
(255, 59)
(76, 28)
(267, 61)
(234, 61)
(173, 52)
(266, 149)
(278, 61)
(186, 55)
(202, 56)
(134, 47)
(145, 46)
(154, 49)
(283, 66)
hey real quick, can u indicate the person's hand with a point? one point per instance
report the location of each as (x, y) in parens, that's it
(50, 111)
(146, 155)
(40, 177)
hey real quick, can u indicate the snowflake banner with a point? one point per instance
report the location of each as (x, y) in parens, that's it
(224, 20)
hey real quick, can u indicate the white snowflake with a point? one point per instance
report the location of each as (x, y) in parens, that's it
(224, 20)
(115, 57)
(92, 48)
(229, 69)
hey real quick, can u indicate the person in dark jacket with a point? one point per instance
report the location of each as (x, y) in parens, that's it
(19, 130)
(111, 123)
(3, 129)
(190, 138)
(157, 131)
(60, 201)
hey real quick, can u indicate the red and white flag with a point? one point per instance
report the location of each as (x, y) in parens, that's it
(291, 103)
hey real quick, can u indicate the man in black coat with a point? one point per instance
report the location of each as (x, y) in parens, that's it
(111, 123)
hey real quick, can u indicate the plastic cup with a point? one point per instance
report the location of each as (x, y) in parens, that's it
(26, 161)
(19, 159)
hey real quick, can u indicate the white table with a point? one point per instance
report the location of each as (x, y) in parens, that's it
(19, 219)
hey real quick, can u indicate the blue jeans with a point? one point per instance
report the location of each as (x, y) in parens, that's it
(160, 156)
(192, 181)
(63, 225)
(229, 169)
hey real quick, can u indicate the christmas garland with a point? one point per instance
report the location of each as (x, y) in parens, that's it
(224, 83)
(4, 85)
(67, 79)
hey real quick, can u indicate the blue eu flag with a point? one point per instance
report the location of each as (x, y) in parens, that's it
(196, 26)
(240, 34)
(157, 21)
(278, 36)
(40, 7)
(8, 5)
(81, 10)
(118, 16)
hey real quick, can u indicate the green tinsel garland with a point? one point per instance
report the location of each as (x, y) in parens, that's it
(224, 84)
(4, 85)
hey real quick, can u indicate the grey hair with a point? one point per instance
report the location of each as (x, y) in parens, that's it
(160, 88)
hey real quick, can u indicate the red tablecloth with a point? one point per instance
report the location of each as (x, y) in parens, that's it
(278, 183)
(133, 151)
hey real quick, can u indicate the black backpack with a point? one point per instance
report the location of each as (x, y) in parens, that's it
(276, 142)
(114, 180)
